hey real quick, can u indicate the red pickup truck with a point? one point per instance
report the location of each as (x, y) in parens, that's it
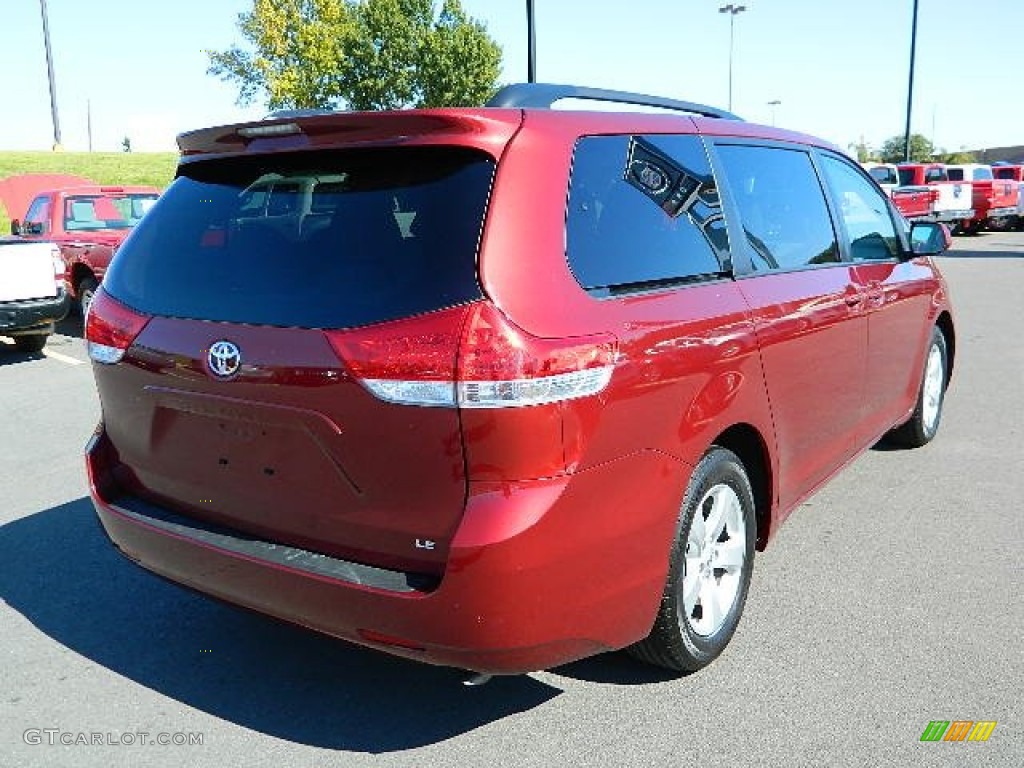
(87, 224)
(1015, 173)
(994, 200)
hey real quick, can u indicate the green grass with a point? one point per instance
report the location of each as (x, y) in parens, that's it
(152, 168)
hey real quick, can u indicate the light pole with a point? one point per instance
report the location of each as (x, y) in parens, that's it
(773, 104)
(49, 71)
(733, 11)
(910, 85)
(531, 42)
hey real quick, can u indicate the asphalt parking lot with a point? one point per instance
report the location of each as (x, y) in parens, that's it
(890, 599)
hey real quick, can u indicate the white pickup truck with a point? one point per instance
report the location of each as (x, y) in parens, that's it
(33, 296)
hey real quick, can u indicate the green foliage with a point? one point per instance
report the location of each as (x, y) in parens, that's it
(863, 151)
(363, 54)
(959, 157)
(460, 62)
(921, 149)
(151, 168)
(298, 46)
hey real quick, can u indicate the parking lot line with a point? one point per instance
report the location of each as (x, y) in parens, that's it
(63, 358)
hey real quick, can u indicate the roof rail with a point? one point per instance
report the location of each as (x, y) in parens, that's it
(543, 95)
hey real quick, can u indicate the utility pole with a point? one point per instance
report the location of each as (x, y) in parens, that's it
(49, 72)
(531, 42)
(88, 120)
(910, 85)
(773, 104)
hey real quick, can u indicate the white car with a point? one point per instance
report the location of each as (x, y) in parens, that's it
(32, 292)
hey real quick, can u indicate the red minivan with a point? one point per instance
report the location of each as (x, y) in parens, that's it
(505, 387)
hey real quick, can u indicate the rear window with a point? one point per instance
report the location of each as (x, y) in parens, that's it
(105, 211)
(329, 239)
(906, 177)
(884, 175)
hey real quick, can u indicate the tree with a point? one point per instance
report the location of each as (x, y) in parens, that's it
(963, 155)
(126, 144)
(363, 54)
(921, 149)
(863, 151)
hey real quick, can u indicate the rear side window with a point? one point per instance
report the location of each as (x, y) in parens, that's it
(782, 207)
(981, 174)
(1003, 173)
(643, 212)
(330, 239)
(907, 177)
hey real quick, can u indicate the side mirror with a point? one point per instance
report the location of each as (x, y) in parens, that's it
(929, 238)
(15, 227)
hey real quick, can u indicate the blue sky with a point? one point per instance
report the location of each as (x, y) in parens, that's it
(839, 69)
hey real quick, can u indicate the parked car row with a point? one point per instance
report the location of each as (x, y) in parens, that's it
(87, 224)
(967, 197)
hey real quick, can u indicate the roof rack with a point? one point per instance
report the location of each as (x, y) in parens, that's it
(543, 95)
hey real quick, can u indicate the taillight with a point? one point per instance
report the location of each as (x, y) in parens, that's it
(502, 366)
(473, 357)
(60, 269)
(408, 361)
(110, 328)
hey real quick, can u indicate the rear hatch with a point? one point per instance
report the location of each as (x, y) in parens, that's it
(250, 280)
(28, 270)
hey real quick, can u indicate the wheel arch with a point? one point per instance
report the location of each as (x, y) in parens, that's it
(80, 272)
(747, 442)
(944, 322)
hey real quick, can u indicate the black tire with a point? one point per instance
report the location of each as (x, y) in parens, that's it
(30, 343)
(924, 422)
(674, 641)
(86, 291)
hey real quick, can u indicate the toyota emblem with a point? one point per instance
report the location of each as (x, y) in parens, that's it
(224, 359)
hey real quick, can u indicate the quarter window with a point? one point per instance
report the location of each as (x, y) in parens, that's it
(864, 213)
(643, 213)
(782, 206)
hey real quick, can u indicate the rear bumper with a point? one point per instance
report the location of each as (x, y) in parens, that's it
(954, 216)
(1002, 213)
(33, 314)
(539, 573)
